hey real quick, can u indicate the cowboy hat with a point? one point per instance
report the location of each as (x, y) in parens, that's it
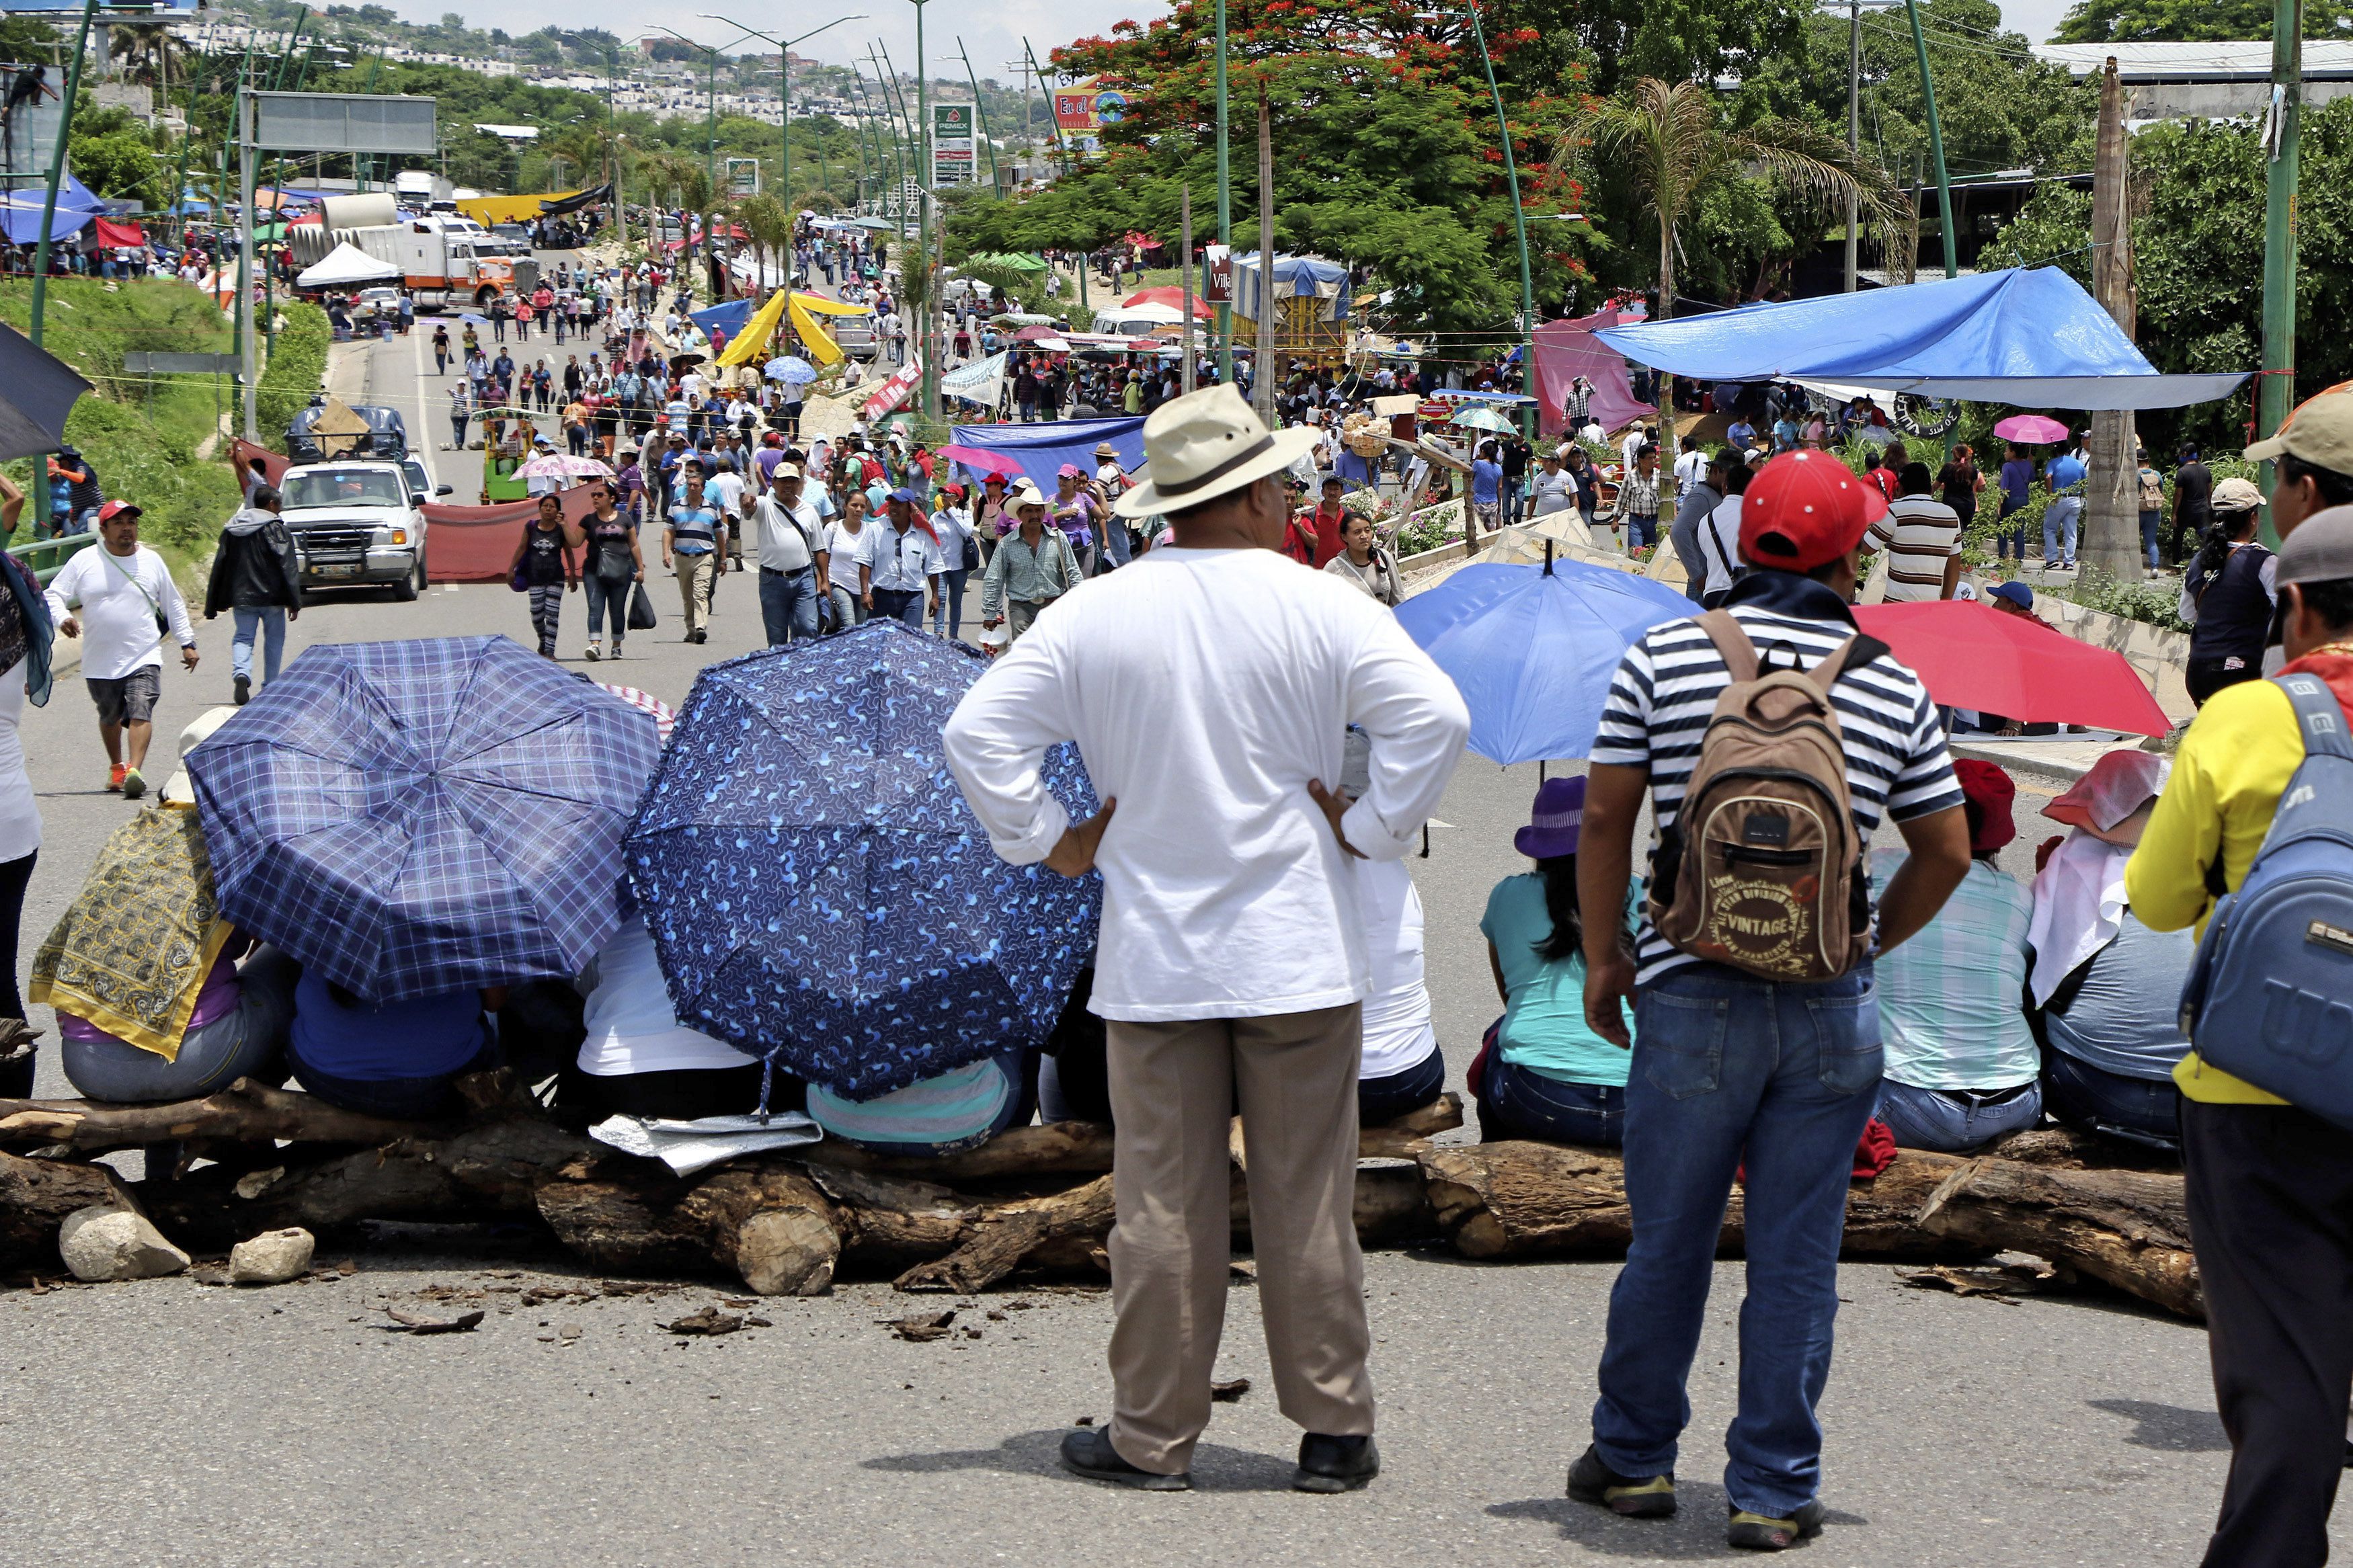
(1025, 493)
(1207, 443)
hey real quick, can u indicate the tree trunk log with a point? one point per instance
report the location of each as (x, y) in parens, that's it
(36, 1196)
(2127, 1228)
(1523, 1199)
(245, 1111)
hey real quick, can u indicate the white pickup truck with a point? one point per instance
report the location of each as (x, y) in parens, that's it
(357, 523)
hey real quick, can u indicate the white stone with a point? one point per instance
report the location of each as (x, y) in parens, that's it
(105, 1242)
(272, 1257)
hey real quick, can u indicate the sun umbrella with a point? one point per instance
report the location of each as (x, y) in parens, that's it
(41, 391)
(981, 461)
(792, 369)
(418, 817)
(562, 466)
(1532, 648)
(1972, 656)
(818, 891)
(2030, 430)
(1477, 418)
(679, 362)
(665, 718)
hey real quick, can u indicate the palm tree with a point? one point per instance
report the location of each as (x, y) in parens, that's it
(769, 226)
(1671, 139)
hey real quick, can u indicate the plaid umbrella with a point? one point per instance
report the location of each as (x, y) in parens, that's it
(416, 817)
(818, 891)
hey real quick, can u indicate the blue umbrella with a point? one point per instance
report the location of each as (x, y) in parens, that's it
(792, 369)
(1532, 648)
(818, 891)
(418, 817)
(469, 319)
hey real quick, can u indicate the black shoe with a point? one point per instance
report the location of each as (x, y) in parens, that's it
(1590, 1480)
(1334, 1464)
(1088, 1452)
(1758, 1533)
(244, 688)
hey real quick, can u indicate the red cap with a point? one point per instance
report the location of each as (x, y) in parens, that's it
(115, 509)
(1805, 509)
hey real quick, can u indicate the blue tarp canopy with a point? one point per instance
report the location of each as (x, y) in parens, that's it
(20, 210)
(2029, 337)
(1041, 450)
(729, 318)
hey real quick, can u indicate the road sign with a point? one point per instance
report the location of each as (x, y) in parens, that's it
(343, 122)
(952, 146)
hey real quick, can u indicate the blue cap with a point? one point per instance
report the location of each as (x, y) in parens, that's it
(904, 494)
(2018, 593)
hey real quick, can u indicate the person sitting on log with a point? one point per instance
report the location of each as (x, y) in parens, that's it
(1074, 1075)
(1401, 1068)
(638, 1059)
(2106, 989)
(1960, 1060)
(399, 1060)
(959, 1109)
(1542, 1071)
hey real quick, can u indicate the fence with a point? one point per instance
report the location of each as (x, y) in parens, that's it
(47, 557)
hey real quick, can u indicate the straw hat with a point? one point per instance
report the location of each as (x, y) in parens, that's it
(1205, 445)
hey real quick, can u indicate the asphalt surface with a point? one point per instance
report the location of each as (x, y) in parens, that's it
(169, 1422)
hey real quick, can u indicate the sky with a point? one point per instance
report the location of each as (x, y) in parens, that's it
(992, 30)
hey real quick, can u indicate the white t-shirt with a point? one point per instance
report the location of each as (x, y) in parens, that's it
(1690, 468)
(1719, 544)
(1398, 1032)
(842, 546)
(118, 598)
(787, 537)
(632, 1028)
(724, 491)
(20, 819)
(1225, 893)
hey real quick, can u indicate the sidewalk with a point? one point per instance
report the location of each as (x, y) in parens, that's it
(2059, 759)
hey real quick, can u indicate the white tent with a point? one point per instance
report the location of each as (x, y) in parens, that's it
(345, 265)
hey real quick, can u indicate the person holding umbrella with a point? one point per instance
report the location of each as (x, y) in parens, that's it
(1231, 954)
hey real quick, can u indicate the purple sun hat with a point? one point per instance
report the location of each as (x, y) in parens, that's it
(1554, 821)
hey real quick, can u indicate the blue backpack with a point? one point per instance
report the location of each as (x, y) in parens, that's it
(2275, 970)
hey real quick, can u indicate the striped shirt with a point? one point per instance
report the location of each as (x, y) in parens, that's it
(1666, 688)
(1919, 536)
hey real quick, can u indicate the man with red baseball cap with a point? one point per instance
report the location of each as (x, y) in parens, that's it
(1728, 1063)
(128, 605)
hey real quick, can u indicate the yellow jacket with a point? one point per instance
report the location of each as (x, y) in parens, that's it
(2233, 765)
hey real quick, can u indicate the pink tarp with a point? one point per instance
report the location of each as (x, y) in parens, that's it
(1566, 349)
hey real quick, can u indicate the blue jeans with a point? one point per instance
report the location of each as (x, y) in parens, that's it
(1384, 1100)
(901, 604)
(2059, 521)
(1954, 1122)
(269, 620)
(1520, 1103)
(608, 602)
(947, 616)
(1729, 1067)
(2149, 523)
(2146, 1111)
(1641, 530)
(2007, 542)
(788, 605)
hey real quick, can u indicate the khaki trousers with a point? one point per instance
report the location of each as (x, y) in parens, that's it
(696, 574)
(1173, 1088)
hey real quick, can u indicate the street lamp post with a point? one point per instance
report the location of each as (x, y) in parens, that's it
(929, 371)
(710, 108)
(1520, 224)
(1225, 214)
(40, 484)
(784, 83)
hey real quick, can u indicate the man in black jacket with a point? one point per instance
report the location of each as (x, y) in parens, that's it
(258, 578)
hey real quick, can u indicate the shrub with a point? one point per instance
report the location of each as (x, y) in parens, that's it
(2154, 604)
(298, 365)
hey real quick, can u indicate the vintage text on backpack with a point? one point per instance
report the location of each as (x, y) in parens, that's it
(1762, 869)
(2270, 998)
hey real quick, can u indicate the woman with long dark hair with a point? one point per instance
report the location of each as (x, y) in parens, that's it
(1542, 1072)
(2228, 593)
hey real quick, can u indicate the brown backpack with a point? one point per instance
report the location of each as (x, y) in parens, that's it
(1762, 869)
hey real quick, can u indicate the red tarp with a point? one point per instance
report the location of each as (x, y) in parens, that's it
(1566, 349)
(112, 233)
(1173, 296)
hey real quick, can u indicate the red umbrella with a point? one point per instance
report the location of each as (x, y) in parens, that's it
(1974, 656)
(1171, 294)
(2030, 430)
(981, 461)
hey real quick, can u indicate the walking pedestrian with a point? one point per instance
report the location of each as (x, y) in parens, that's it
(899, 564)
(543, 564)
(1731, 1066)
(952, 520)
(2193, 494)
(789, 532)
(1638, 499)
(1032, 566)
(440, 348)
(258, 578)
(2270, 1186)
(2229, 591)
(693, 539)
(615, 566)
(129, 605)
(1232, 963)
(461, 413)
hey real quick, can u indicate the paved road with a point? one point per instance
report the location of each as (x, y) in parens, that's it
(169, 1423)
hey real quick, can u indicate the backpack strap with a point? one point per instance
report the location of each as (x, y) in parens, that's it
(2318, 715)
(1731, 641)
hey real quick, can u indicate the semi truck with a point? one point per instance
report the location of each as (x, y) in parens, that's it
(439, 259)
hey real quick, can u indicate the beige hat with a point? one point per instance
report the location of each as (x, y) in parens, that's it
(2236, 494)
(2320, 432)
(1025, 492)
(1205, 445)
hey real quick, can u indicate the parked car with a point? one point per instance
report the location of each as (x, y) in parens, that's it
(386, 437)
(855, 335)
(356, 523)
(421, 488)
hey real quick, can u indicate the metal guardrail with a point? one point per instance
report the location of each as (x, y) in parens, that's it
(47, 557)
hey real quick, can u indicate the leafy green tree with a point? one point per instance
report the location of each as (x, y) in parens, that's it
(2139, 21)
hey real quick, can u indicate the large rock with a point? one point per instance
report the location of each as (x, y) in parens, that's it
(105, 1242)
(272, 1257)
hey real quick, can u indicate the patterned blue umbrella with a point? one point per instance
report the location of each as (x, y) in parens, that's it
(818, 890)
(416, 817)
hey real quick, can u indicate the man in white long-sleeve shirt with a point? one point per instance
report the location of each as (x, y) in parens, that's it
(124, 590)
(1209, 686)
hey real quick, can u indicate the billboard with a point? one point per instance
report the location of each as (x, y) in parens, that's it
(954, 144)
(108, 10)
(1084, 110)
(744, 176)
(343, 122)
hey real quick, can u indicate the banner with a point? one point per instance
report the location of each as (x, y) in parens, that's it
(952, 146)
(1217, 274)
(894, 392)
(981, 382)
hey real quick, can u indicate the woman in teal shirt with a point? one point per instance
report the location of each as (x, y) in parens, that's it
(1543, 1073)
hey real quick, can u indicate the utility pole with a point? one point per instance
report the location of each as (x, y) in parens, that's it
(980, 124)
(1262, 376)
(1225, 212)
(2282, 139)
(39, 484)
(928, 373)
(1053, 120)
(245, 259)
(784, 91)
(1520, 223)
(1853, 127)
(1184, 261)
(1937, 139)
(613, 153)
(2111, 526)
